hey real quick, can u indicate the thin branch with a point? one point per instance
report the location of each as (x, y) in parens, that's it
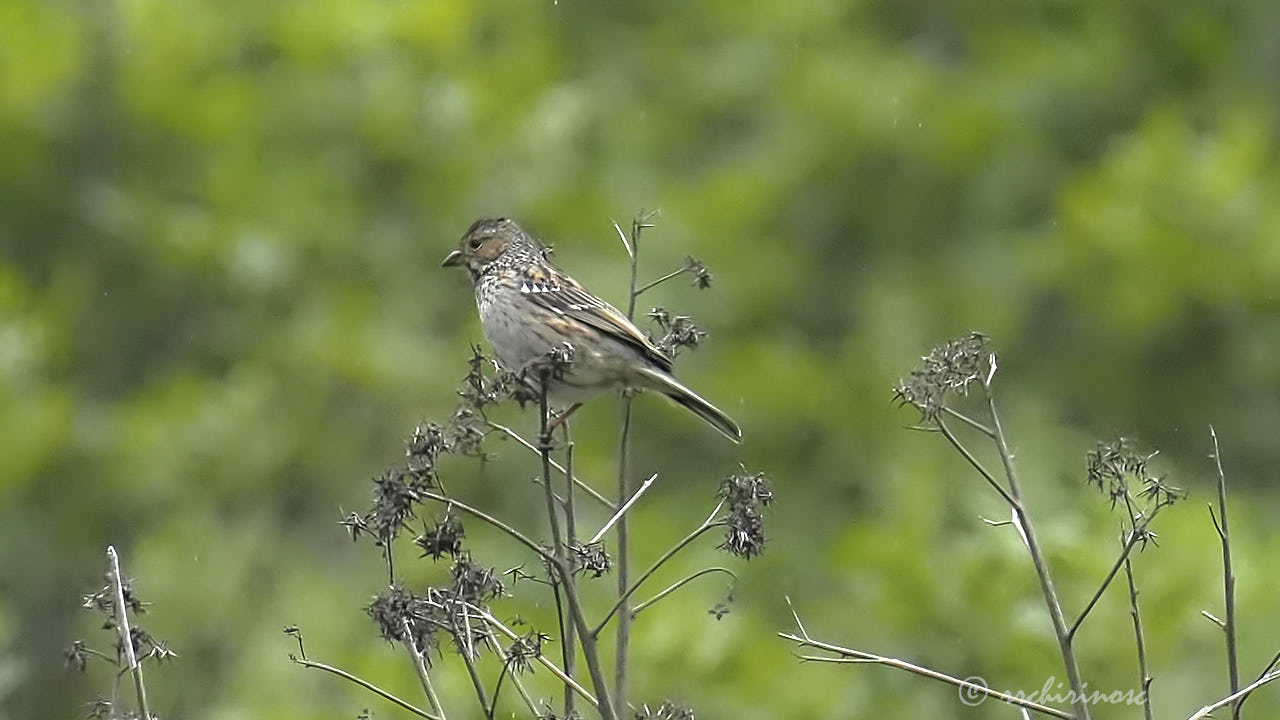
(847, 655)
(1211, 618)
(570, 652)
(1126, 549)
(490, 711)
(419, 666)
(469, 661)
(677, 585)
(364, 684)
(542, 659)
(951, 438)
(516, 534)
(606, 502)
(114, 662)
(970, 422)
(1207, 710)
(623, 237)
(515, 677)
(560, 563)
(706, 525)
(1037, 557)
(622, 645)
(1275, 660)
(126, 635)
(1228, 575)
(625, 507)
(664, 278)
(796, 615)
(1143, 675)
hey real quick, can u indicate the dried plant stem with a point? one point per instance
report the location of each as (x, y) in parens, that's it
(366, 685)
(1037, 557)
(1125, 550)
(649, 286)
(567, 472)
(848, 655)
(622, 510)
(516, 534)
(560, 563)
(706, 525)
(679, 584)
(497, 691)
(1228, 575)
(420, 667)
(970, 422)
(126, 635)
(1143, 674)
(964, 452)
(570, 635)
(469, 661)
(515, 678)
(1235, 711)
(496, 624)
(1207, 710)
(622, 645)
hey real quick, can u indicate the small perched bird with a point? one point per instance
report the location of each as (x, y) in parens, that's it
(528, 308)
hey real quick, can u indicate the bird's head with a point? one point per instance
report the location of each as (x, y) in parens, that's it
(487, 240)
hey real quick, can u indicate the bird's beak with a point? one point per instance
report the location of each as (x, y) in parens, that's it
(453, 258)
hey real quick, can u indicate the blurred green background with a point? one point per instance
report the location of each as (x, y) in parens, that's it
(221, 313)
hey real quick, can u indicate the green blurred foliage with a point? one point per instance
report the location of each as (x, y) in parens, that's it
(220, 313)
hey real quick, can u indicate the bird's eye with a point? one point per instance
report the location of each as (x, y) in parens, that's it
(474, 244)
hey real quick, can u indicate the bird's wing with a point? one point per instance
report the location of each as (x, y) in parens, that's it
(561, 294)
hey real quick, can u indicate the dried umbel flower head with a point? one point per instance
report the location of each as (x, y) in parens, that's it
(701, 275)
(524, 650)
(948, 368)
(400, 615)
(591, 558)
(745, 495)
(481, 387)
(444, 538)
(466, 432)
(394, 497)
(1120, 473)
(487, 383)
(474, 583)
(678, 332)
(392, 611)
(421, 450)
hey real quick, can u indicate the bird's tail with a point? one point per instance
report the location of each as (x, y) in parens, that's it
(669, 386)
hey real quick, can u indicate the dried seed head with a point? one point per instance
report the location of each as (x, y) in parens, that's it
(444, 538)
(394, 498)
(1120, 472)
(948, 368)
(701, 275)
(746, 495)
(474, 583)
(590, 558)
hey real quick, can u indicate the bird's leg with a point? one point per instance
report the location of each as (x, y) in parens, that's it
(562, 416)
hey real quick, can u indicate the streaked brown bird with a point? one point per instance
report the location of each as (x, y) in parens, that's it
(528, 308)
